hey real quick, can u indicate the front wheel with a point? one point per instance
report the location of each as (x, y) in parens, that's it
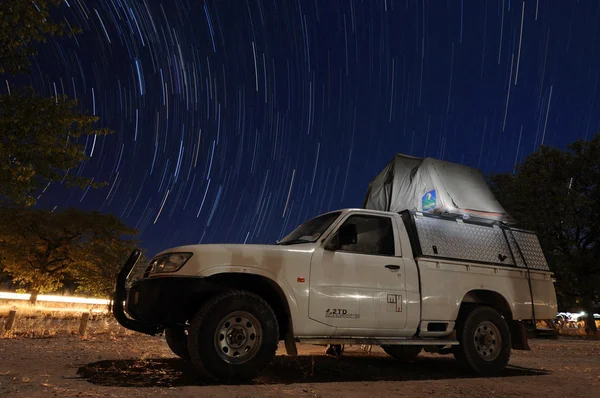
(485, 343)
(233, 337)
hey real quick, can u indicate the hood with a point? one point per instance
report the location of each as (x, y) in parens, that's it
(271, 258)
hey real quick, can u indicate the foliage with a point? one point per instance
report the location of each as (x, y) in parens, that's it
(23, 25)
(107, 254)
(38, 144)
(41, 249)
(557, 194)
(40, 138)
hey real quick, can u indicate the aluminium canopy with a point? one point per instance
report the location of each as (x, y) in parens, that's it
(433, 186)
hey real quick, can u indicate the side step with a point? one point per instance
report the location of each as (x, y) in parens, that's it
(375, 341)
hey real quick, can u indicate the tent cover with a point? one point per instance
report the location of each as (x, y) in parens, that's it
(433, 186)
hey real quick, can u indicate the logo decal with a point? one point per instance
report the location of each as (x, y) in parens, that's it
(394, 303)
(340, 313)
(428, 201)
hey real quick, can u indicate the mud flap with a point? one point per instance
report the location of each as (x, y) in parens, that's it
(518, 334)
(290, 344)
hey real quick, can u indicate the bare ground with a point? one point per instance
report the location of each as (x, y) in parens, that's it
(142, 366)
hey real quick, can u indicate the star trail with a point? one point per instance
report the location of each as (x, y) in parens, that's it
(235, 120)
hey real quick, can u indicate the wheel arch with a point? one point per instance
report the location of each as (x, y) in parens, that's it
(487, 297)
(263, 286)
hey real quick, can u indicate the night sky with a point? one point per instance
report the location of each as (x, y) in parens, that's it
(236, 120)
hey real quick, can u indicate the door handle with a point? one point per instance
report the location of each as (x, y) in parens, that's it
(393, 267)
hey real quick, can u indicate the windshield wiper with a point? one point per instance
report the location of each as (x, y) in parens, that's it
(294, 242)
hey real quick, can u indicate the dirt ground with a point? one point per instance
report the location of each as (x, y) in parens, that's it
(143, 366)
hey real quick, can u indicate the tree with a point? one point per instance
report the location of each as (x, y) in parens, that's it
(106, 257)
(38, 144)
(557, 194)
(39, 137)
(24, 24)
(40, 249)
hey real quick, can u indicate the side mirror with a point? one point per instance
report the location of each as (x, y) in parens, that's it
(347, 235)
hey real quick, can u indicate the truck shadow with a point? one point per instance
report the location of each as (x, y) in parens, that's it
(174, 372)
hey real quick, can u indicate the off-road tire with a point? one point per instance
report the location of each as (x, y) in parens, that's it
(203, 332)
(403, 353)
(467, 354)
(177, 342)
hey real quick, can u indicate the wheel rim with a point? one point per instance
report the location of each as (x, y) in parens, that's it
(238, 337)
(488, 341)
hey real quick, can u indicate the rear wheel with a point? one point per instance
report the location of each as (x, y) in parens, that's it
(233, 337)
(177, 342)
(404, 353)
(485, 343)
(335, 350)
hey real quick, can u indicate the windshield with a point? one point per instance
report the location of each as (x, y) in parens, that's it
(311, 230)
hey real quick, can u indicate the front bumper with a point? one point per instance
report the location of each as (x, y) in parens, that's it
(158, 302)
(121, 296)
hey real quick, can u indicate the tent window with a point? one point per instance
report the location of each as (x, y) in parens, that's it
(375, 235)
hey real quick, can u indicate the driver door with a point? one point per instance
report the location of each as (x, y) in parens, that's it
(359, 287)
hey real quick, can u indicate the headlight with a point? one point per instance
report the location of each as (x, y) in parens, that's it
(169, 262)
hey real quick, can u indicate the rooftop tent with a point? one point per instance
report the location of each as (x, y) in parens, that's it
(433, 186)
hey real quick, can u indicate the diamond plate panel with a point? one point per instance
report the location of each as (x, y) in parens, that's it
(464, 241)
(532, 250)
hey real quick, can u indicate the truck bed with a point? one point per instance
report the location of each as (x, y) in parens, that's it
(464, 256)
(438, 277)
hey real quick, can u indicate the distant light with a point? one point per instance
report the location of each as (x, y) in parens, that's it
(56, 299)
(574, 316)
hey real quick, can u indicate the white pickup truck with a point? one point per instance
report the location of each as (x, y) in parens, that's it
(405, 281)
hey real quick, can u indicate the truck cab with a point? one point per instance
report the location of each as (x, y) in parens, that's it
(407, 281)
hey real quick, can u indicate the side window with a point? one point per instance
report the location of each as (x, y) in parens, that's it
(375, 235)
